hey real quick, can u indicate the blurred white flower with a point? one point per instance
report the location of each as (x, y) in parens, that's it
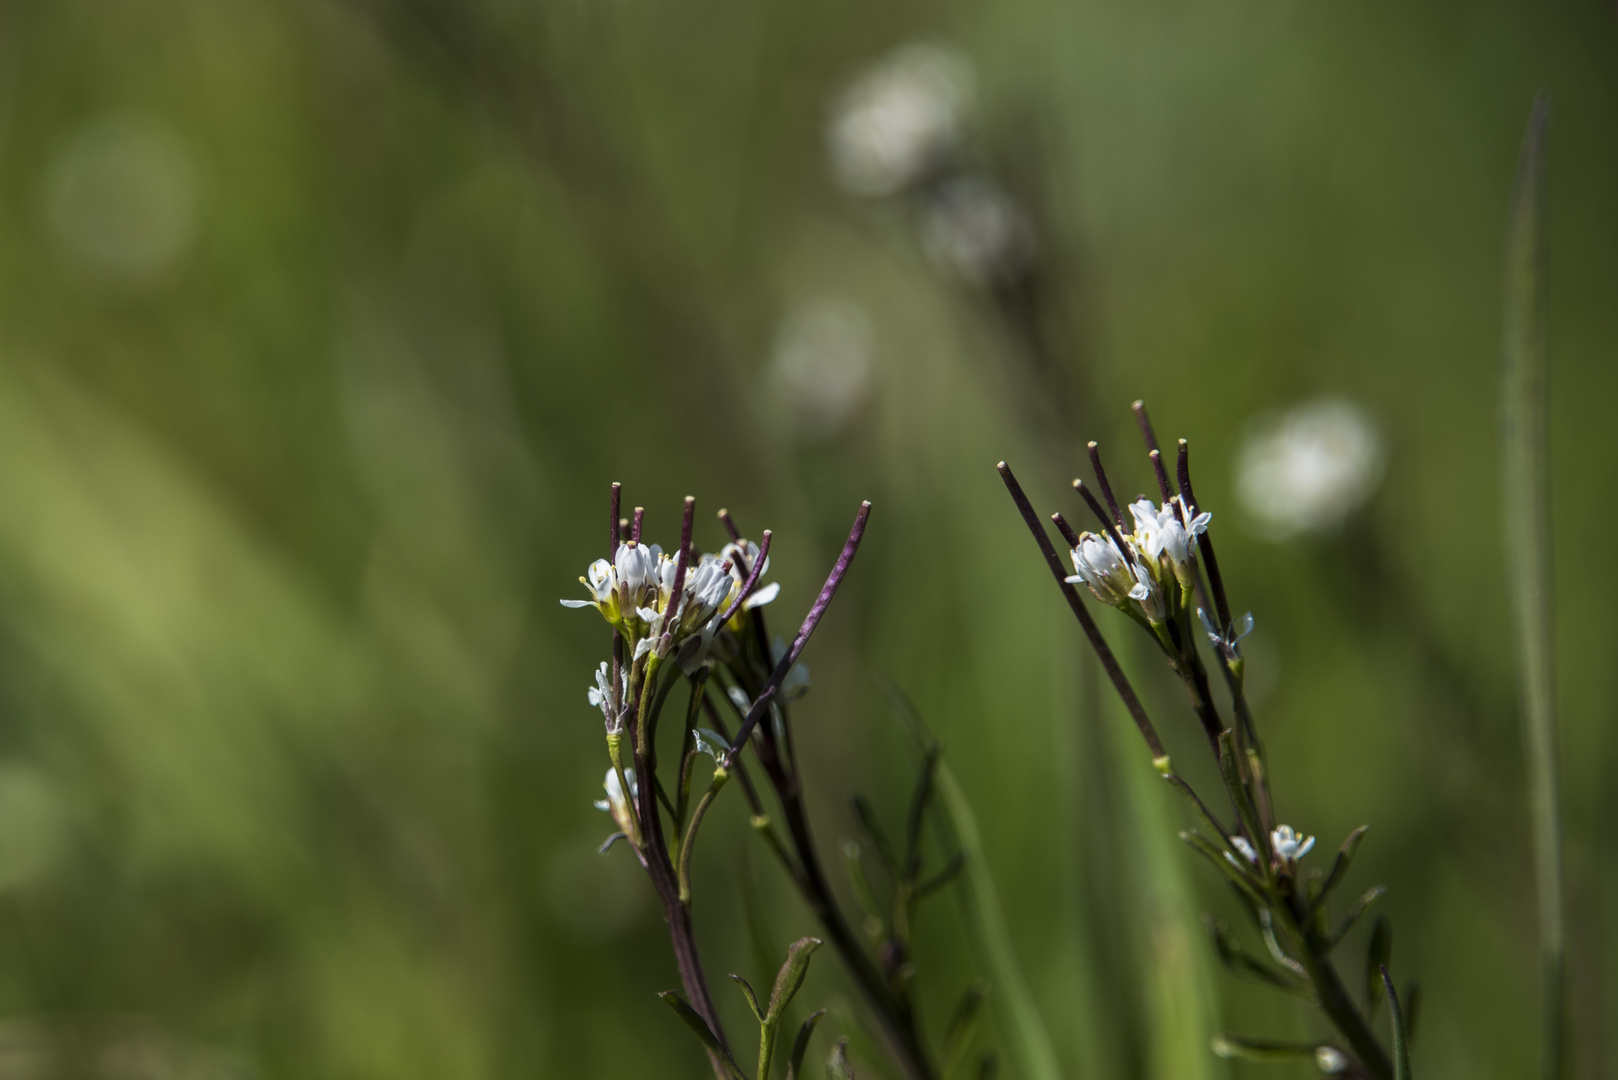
(972, 229)
(1329, 1059)
(821, 365)
(1240, 844)
(900, 120)
(1310, 469)
(121, 197)
(617, 803)
(1290, 846)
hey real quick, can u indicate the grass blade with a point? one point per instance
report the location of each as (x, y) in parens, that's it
(1027, 1041)
(1526, 502)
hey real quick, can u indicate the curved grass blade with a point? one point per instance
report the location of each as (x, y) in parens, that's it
(1526, 502)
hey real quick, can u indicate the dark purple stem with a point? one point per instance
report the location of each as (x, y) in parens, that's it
(1065, 529)
(753, 575)
(1210, 562)
(730, 526)
(1106, 488)
(634, 530)
(810, 621)
(612, 527)
(1150, 436)
(1108, 661)
(1106, 525)
(679, 565)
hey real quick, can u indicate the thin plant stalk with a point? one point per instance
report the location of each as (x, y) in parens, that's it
(1526, 502)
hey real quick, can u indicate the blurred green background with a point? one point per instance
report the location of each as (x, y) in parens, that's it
(324, 327)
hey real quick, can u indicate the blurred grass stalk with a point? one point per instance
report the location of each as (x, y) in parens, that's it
(1525, 501)
(1031, 1050)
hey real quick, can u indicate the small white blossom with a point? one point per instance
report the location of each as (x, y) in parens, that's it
(624, 584)
(601, 696)
(1307, 471)
(1167, 534)
(1290, 846)
(1149, 595)
(741, 556)
(1241, 845)
(1103, 569)
(615, 804)
(1227, 643)
(1329, 1059)
(707, 588)
(900, 121)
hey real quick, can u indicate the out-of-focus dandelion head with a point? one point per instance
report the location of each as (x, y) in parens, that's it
(972, 229)
(900, 119)
(821, 365)
(1311, 468)
(121, 197)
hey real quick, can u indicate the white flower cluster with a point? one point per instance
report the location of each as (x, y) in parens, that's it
(1288, 844)
(1157, 554)
(635, 593)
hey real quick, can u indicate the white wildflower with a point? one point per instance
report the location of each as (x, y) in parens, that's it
(616, 804)
(1227, 642)
(1307, 471)
(1329, 1059)
(901, 120)
(1290, 846)
(1245, 849)
(1149, 595)
(602, 697)
(624, 584)
(1103, 568)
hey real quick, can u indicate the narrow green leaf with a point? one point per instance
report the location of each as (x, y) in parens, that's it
(1245, 1048)
(962, 1023)
(1401, 1038)
(1378, 951)
(800, 1046)
(1525, 468)
(943, 878)
(1217, 855)
(699, 1027)
(879, 839)
(919, 799)
(1018, 1017)
(1345, 856)
(1246, 966)
(1354, 914)
(752, 998)
(854, 861)
(1230, 772)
